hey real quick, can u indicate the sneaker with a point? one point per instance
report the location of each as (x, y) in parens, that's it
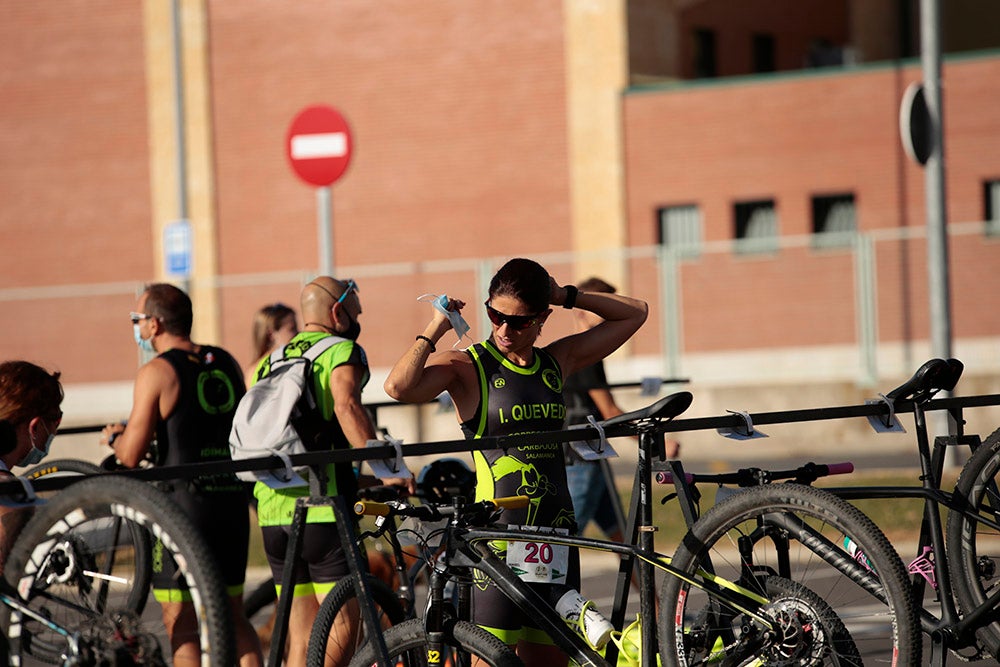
(581, 615)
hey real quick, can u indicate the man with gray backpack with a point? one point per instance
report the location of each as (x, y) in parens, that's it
(326, 413)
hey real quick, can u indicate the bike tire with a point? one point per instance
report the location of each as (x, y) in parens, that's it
(973, 548)
(696, 628)
(407, 645)
(62, 467)
(389, 611)
(61, 588)
(142, 544)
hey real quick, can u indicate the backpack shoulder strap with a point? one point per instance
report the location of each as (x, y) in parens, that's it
(321, 346)
(318, 348)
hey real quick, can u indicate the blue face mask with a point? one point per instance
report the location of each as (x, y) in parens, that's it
(145, 344)
(35, 455)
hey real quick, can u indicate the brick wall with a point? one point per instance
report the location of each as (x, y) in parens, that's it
(788, 139)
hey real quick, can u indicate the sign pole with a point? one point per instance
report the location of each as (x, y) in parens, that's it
(324, 207)
(318, 146)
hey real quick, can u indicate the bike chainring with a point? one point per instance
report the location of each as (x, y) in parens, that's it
(117, 640)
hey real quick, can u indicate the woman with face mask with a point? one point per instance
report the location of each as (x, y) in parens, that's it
(30, 398)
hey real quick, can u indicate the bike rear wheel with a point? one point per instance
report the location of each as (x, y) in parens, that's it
(974, 547)
(91, 591)
(340, 608)
(832, 611)
(407, 645)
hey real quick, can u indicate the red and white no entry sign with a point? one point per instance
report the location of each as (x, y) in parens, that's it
(319, 145)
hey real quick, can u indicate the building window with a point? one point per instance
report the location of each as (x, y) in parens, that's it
(763, 53)
(680, 229)
(991, 201)
(756, 227)
(704, 54)
(833, 220)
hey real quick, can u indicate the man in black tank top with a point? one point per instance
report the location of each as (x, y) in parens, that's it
(185, 399)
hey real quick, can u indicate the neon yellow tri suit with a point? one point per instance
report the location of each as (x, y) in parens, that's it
(322, 562)
(513, 400)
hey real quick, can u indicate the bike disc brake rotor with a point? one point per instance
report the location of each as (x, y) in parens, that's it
(799, 638)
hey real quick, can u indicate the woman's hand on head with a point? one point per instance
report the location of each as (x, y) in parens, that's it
(557, 294)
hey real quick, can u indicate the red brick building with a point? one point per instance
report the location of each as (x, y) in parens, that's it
(559, 130)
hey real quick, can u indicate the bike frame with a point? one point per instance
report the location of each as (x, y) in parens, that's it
(950, 630)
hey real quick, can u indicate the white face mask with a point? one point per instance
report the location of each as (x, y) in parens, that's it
(35, 455)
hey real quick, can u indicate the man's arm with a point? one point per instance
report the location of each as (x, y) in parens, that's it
(153, 398)
(345, 386)
(605, 402)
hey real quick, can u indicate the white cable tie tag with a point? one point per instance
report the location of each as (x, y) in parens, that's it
(888, 423)
(29, 491)
(593, 450)
(389, 468)
(282, 478)
(650, 386)
(744, 431)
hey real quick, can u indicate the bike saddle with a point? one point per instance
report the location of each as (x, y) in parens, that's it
(667, 407)
(934, 376)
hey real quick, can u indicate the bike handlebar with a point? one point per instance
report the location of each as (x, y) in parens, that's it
(757, 476)
(433, 512)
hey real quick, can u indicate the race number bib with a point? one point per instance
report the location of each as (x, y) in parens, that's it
(539, 562)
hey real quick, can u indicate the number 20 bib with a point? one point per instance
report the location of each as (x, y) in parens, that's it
(539, 562)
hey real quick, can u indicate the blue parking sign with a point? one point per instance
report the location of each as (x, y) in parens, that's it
(177, 248)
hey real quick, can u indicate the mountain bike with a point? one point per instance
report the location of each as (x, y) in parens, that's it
(957, 561)
(766, 619)
(410, 546)
(76, 593)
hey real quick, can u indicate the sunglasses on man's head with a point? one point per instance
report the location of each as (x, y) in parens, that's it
(138, 317)
(516, 322)
(351, 287)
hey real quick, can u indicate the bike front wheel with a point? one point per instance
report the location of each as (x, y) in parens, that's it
(140, 555)
(407, 644)
(74, 568)
(788, 548)
(339, 629)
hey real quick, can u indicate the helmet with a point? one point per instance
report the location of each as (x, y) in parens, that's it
(442, 480)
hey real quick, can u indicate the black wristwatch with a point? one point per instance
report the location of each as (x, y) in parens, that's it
(571, 292)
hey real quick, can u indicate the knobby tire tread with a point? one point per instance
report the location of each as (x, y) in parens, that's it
(980, 472)
(408, 639)
(819, 504)
(144, 504)
(388, 603)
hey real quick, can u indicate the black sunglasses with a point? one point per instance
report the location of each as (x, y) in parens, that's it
(516, 322)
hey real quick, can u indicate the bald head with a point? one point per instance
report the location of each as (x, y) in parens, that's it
(319, 296)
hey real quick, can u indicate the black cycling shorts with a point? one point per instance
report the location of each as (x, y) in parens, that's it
(321, 563)
(223, 520)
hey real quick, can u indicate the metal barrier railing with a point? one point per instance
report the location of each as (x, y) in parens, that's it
(736, 422)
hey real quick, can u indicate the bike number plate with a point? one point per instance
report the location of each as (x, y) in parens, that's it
(538, 562)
